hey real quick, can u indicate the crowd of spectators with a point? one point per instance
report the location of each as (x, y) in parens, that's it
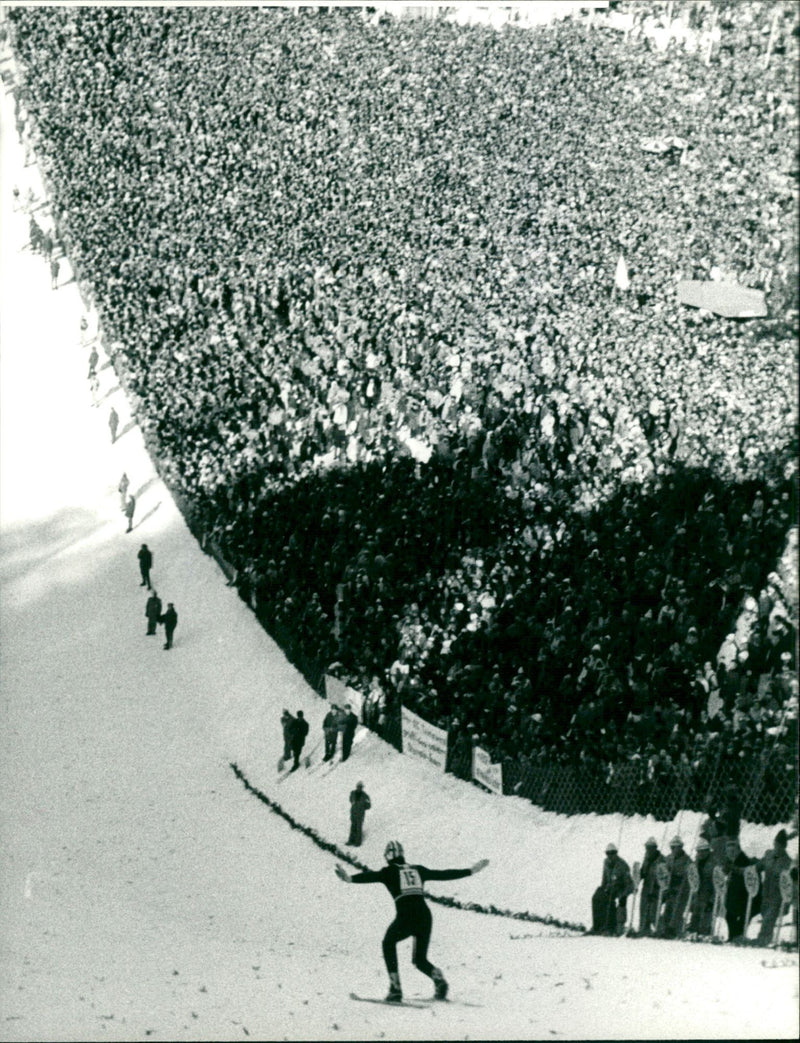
(358, 281)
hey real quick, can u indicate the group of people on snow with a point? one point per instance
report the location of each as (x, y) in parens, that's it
(680, 896)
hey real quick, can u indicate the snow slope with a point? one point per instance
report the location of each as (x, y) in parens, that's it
(144, 894)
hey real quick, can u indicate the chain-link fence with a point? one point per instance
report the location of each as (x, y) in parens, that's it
(767, 784)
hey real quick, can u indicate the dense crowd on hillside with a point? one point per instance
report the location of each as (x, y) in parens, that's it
(377, 347)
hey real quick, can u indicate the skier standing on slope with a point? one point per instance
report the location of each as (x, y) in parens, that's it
(413, 917)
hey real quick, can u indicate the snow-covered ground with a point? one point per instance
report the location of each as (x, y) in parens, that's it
(144, 893)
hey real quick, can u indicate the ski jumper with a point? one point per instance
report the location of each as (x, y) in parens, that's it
(413, 917)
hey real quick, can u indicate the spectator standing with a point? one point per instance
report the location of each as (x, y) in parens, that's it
(703, 901)
(359, 806)
(774, 862)
(145, 557)
(348, 731)
(124, 482)
(677, 893)
(730, 816)
(287, 724)
(153, 612)
(734, 866)
(609, 902)
(55, 268)
(648, 908)
(113, 424)
(130, 507)
(170, 621)
(330, 729)
(299, 733)
(94, 358)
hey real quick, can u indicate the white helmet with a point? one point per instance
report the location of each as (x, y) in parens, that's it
(394, 851)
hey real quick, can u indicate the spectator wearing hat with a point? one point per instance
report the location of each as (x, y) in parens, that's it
(677, 892)
(170, 621)
(348, 730)
(734, 865)
(648, 909)
(609, 902)
(770, 867)
(330, 730)
(703, 900)
(359, 806)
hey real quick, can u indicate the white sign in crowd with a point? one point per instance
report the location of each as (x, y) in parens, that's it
(483, 771)
(425, 740)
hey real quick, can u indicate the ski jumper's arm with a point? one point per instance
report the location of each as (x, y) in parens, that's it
(370, 876)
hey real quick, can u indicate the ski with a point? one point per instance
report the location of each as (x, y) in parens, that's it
(455, 1002)
(386, 1003)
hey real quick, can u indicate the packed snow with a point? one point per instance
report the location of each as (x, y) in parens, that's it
(145, 893)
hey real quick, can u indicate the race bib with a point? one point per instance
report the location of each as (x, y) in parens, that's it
(410, 881)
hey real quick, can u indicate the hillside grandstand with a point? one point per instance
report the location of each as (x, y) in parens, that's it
(358, 278)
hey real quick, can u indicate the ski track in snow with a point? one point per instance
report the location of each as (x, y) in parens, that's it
(144, 894)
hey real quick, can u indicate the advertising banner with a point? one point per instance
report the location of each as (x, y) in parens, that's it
(728, 299)
(424, 740)
(483, 771)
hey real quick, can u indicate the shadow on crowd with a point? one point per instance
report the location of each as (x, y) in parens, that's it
(589, 669)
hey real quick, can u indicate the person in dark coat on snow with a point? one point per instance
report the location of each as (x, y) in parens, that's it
(153, 612)
(113, 424)
(348, 731)
(359, 806)
(609, 902)
(648, 909)
(734, 865)
(287, 725)
(330, 728)
(774, 862)
(170, 621)
(299, 733)
(703, 901)
(677, 893)
(145, 557)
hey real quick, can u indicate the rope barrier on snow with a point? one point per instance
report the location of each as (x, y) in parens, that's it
(452, 903)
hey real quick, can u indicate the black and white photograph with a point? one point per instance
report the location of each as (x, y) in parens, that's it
(423, 378)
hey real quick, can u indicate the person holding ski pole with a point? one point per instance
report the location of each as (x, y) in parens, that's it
(412, 915)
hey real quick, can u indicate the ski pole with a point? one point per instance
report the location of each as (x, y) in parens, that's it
(307, 759)
(693, 878)
(662, 879)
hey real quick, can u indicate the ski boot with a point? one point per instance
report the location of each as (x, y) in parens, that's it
(395, 994)
(440, 985)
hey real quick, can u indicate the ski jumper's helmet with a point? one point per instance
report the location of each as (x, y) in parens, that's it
(394, 851)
